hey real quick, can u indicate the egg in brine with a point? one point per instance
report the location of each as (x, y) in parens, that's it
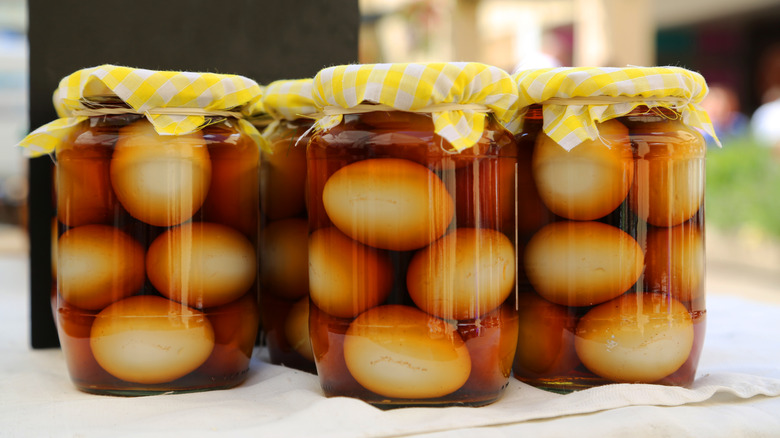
(346, 277)
(589, 181)
(97, 265)
(635, 338)
(202, 264)
(147, 339)
(577, 263)
(467, 273)
(388, 203)
(160, 180)
(401, 352)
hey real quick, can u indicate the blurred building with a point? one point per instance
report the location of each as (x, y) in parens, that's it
(732, 43)
(13, 108)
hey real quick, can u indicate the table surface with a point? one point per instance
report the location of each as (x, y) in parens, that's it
(736, 393)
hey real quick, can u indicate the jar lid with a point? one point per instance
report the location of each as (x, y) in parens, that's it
(176, 103)
(458, 95)
(574, 99)
(289, 99)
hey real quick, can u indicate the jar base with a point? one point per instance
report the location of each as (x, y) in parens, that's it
(471, 401)
(130, 389)
(572, 384)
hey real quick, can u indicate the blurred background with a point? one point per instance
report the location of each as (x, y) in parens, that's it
(734, 44)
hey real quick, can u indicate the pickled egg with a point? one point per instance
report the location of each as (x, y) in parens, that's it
(589, 181)
(327, 342)
(97, 265)
(296, 328)
(284, 258)
(74, 326)
(582, 263)
(485, 194)
(491, 341)
(202, 264)
(545, 345)
(346, 277)
(235, 329)
(465, 274)
(283, 179)
(234, 192)
(676, 262)
(160, 180)
(388, 203)
(84, 192)
(635, 338)
(410, 136)
(401, 352)
(669, 185)
(148, 339)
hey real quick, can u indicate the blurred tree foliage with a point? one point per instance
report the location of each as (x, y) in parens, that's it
(743, 187)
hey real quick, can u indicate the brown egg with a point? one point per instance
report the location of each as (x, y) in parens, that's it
(485, 194)
(296, 328)
(410, 136)
(283, 179)
(160, 180)
(53, 247)
(463, 275)
(675, 262)
(202, 264)
(345, 277)
(532, 213)
(401, 352)
(147, 339)
(635, 338)
(582, 263)
(545, 345)
(589, 181)
(491, 341)
(98, 265)
(234, 193)
(84, 192)
(284, 258)
(669, 185)
(388, 203)
(235, 329)
(74, 326)
(327, 342)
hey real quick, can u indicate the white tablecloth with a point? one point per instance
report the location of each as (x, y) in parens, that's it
(736, 394)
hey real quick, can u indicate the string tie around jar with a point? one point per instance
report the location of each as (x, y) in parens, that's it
(675, 102)
(363, 108)
(371, 107)
(105, 111)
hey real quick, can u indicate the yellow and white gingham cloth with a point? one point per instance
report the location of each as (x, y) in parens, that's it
(574, 99)
(457, 95)
(175, 103)
(289, 99)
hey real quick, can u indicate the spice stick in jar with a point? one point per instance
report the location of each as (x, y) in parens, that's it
(614, 272)
(158, 214)
(412, 252)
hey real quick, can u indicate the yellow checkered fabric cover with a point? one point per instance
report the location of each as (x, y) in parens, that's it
(575, 98)
(289, 99)
(174, 102)
(457, 95)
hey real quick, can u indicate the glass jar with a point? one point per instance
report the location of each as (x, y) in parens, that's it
(612, 281)
(412, 270)
(157, 258)
(284, 266)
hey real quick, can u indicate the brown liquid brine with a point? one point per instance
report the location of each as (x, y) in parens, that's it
(157, 260)
(612, 274)
(412, 261)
